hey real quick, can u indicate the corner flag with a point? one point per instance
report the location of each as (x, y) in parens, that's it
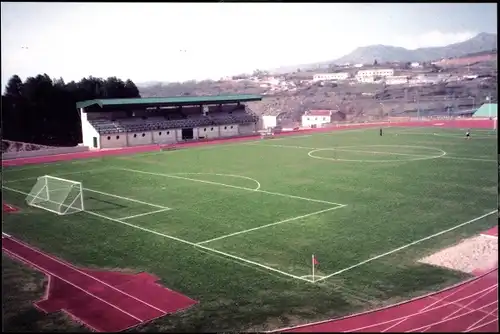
(314, 263)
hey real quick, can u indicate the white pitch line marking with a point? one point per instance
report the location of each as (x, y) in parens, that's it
(374, 152)
(199, 246)
(349, 150)
(228, 186)
(185, 242)
(127, 198)
(144, 214)
(471, 159)
(246, 142)
(271, 224)
(408, 245)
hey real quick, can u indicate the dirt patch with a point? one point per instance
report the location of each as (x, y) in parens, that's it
(472, 254)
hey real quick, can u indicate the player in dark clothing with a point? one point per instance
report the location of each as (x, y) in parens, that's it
(381, 132)
(467, 134)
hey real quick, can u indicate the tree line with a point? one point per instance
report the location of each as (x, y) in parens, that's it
(42, 110)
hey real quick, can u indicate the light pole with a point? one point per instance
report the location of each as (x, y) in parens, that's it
(382, 110)
(473, 102)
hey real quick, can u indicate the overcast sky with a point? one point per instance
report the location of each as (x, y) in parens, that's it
(176, 41)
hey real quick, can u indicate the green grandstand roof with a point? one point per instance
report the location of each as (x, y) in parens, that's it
(174, 100)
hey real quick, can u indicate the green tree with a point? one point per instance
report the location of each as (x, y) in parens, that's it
(131, 89)
(42, 110)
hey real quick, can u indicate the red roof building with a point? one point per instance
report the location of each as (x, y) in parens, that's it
(318, 113)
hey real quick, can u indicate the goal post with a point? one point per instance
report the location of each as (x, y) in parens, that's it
(56, 195)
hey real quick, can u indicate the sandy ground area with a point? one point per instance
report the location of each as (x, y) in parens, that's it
(472, 254)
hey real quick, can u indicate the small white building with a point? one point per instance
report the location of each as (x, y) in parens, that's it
(415, 65)
(375, 72)
(358, 65)
(268, 122)
(363, 79)
(396, 80)
(331, 76)
(315, 118)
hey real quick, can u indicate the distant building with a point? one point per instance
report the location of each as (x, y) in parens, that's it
(330, 76)
(358, 65)
(315, 118)
(470, 76)
(365, 79)
(396, 80)
(375, 72)
(415, 65)
(268, 122)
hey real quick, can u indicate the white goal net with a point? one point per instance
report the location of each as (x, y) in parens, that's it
(56, 195)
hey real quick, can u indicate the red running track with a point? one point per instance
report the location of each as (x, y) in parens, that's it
(103, 301)
(492, 232)
(471, 306)
(461, 123)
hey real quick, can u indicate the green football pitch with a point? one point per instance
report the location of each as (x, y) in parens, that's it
(235, 225)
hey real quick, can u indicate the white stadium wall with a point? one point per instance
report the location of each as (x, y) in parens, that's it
(89, 132)
(195, 134)
(229, 130)
(268, 122)
(208, 132)
(178, 133)
(309, 121)
(164, 136)
(92, 139)
(247, 129)
(113, 140)
(140, 138)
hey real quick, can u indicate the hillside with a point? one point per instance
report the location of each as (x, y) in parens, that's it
(384, 53)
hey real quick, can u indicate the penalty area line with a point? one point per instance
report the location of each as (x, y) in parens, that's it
(208, 249)
(407, 245)
(145, 214)
(272, 224)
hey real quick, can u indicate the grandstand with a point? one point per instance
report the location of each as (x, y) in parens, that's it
(115, 123)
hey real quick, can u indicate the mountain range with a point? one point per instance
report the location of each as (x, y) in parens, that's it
(385, 53)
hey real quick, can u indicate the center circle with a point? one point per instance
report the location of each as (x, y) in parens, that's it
(371, 150)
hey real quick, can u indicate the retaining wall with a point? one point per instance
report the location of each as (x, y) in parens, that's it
(43, 152)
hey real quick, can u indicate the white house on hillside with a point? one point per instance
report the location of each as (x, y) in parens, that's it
(315, 118)
(375, 72)
(396, 80)
(330, 76)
